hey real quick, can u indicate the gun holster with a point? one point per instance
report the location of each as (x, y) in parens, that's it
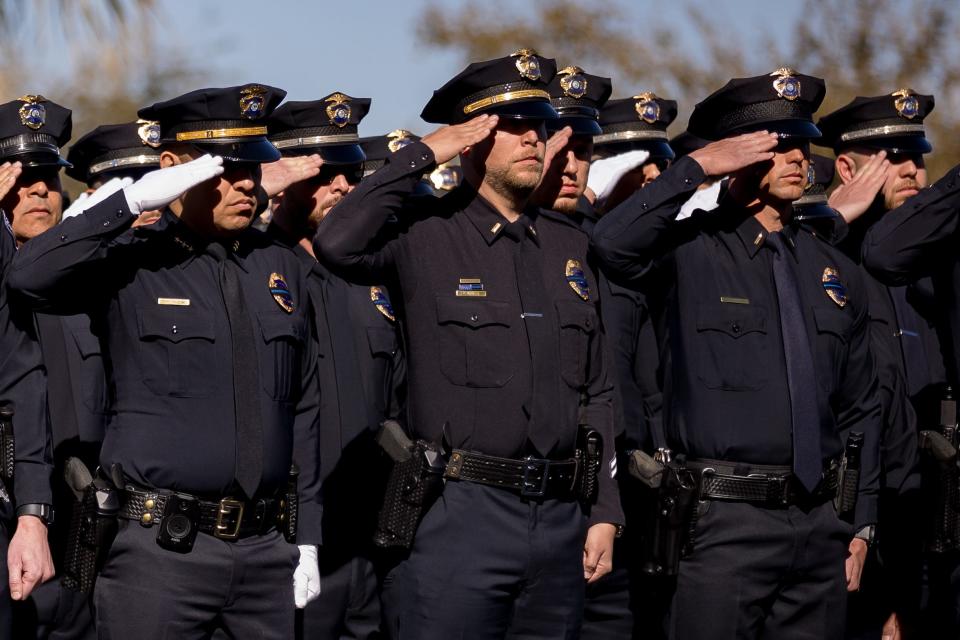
(414, 482)
(93, 527)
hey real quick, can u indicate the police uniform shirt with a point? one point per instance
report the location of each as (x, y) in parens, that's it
(172, 424)
(917, 239)
(469, 364)
(723, 358)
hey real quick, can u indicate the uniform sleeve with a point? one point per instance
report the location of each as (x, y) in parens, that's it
(911, 240)
(306, 442)
(856, 405)
(61, 268)
(348, 241)
(634, 236)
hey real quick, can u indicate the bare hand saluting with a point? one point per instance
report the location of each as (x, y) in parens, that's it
(723, 157)
(851, 200)
(450, 141)
(277, 176)
(555, 144)
(8, 176)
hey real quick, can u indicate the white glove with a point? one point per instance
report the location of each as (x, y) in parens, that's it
(159, 188)
(306, 577)
(706, 199)
(606, 173)
(87, 201)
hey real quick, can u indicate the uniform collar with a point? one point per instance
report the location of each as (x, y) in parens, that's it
(753, 235)
(193, 245)
(490, 223)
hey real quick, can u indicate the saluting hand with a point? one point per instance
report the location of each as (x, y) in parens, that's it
(555, 144)
(159, 188)
(277, 176)
(726, 156)
(9, 172)
(598, 551)
(852, 199)
(450, 141)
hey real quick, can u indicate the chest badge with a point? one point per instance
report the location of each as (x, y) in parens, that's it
(833, 286)
(281, 292)
(577, 280)
(380, 300)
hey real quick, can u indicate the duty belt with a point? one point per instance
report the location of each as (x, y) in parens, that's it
(530, 477)
(226, 519)
(766, 485)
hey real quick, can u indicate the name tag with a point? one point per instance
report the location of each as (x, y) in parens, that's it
(731, 300)
(177, 302)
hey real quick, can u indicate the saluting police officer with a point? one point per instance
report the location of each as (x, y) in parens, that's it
(361, 364)
(29, 141)
(213, 367)
(879, 143)
(442, 180)
(767, 368)
(498, 308)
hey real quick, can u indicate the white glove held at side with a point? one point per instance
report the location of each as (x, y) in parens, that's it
(306, 577)
(159, 188)
(87, 200)
(606, 173)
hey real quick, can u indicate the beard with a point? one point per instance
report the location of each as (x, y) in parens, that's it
(514, 183)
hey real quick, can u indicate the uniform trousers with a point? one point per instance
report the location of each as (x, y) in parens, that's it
(764, 574)
(487, 564)
(241, 590)
(348, 607)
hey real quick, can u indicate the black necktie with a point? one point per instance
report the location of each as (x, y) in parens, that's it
(541, 337)
(801, 376)
(246, 375)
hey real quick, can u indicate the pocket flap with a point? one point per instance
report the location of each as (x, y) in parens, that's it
(274, 326)
(87, 343)
(382, 341)
(579, 315)
(472, 313)
(735, 320)
(176, 324)
(833, 321)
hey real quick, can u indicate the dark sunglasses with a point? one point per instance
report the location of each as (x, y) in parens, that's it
(353, 173)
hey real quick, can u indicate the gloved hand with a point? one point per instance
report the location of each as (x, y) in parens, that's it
(159, 188)
(606, 173)
(87, 200)
(706, 199)
(306, 577)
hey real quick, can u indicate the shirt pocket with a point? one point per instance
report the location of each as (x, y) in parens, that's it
(177, 355)
(473, 334)
(834, 330)
(280, 370)
(578, 324)
(93, 379)
(732, 346)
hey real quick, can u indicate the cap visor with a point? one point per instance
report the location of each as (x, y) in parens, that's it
(897, 144)
(38, 159)
(580, 126)
(523, 110)
(658, 149)
(341, 154)
(786, 129)
(256, 150)
(813, 212)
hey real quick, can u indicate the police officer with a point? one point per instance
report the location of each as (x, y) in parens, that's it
(578, 98)
(767, 368)
(916, 240)
(29, 137)
(208, 326)
(360, 365)
(879, 143)
(377, 149)
(629, 125)
(497, 304)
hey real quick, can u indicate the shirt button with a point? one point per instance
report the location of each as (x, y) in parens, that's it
(687, 181)
(425, 156)
(120, 213)
(643, 205)
(413, 164)
(735, 327)
(63, 238)
(173, 329)
(474, 318)
(106, 223)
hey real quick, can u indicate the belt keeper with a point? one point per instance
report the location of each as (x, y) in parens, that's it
(454, 466)
(147, 518)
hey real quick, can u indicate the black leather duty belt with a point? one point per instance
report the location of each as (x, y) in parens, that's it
(227, 519)
(766, 485)
(530, 477)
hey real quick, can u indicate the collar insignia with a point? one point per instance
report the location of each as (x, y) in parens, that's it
(149, 132)
(252, 101)
(833, 286)
(648, 109)
(281, 292)
(786, 83)
(33, 114)
(906, 103)
(573, 82)
(338, 110)
(382, 303)
(527, 64)
(577, 280)
(398, 139)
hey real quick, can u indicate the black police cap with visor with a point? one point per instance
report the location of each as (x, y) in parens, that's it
(892, 122)
(32, 131)
(115, 150)
(229, 122)
(327, 127)
(513, 87)
(639, 122)
(577, 98)
(781, 102)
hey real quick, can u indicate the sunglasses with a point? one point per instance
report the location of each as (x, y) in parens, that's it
(353, 173)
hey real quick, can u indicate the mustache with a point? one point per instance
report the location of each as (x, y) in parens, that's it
(907, 184)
